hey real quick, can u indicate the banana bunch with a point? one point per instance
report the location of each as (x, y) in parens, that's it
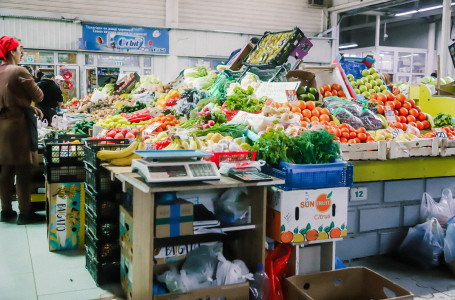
(125, 156)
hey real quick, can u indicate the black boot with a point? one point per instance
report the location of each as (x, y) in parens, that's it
(8, 216)
(30, 219)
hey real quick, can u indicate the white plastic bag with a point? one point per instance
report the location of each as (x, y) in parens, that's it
(449, 244)
(233, 206)
(98, 95)
(424, 244)
(173, 280)
(442, 211)
(231, 272)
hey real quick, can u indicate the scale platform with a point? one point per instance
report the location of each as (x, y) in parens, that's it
(161, 166)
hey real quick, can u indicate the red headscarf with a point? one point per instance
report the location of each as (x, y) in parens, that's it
(7, 44)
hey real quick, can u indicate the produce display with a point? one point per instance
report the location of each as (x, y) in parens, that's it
(370, 83)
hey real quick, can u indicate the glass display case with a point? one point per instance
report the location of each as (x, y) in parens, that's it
(402, 64)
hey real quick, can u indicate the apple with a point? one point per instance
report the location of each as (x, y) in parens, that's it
(119, 136)
(125, 131)
(372, 91)
(357, 91)
(366, 95)
(365, 72)
(134, 131)
(353, 84)
(363, 88)
(372, 71)
(373, 83)
(376, 76)
(368, 86)
(383, 87)
(369, 77)
(350, 77)
(378, 81)
(359, 82)
(129, 135)
(111, 134)
(377, 89)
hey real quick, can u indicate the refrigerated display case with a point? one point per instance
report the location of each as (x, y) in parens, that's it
(402, 64)
(70, 85)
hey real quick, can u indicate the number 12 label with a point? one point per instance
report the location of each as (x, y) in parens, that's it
(359, 194)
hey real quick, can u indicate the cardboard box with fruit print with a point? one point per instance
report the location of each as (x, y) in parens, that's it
(307, 215)
(65, 215)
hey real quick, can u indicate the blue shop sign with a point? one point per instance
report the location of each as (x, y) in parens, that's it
(124, 39)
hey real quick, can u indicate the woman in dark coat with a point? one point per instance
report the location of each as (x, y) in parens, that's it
(17, 91)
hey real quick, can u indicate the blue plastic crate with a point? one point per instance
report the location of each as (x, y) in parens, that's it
(314, 176)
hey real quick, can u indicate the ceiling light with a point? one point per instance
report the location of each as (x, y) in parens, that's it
(420, 10)
(406, 13)
(345, 46)
(430, 8)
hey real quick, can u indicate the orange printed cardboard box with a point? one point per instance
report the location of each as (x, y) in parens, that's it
(307, 215)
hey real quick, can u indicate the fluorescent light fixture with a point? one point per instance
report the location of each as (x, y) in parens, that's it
(345, 46)
(420, 10)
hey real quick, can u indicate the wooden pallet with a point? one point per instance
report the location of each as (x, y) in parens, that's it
(368, 151)
(446, 147)
(404, 149)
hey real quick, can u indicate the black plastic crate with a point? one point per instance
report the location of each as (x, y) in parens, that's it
(102, 272)
(99, 180)
(102, 251)
(102, 230)
(60, 152)
(63, 173)
(103, 205)
(277, 58)
(93, 146)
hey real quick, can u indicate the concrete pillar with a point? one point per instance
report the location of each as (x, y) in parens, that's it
(335, 34)
(445, 32)
(377, 36)
(431, 56)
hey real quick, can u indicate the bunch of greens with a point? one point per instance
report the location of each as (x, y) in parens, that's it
(443, 120)
(244, 100)
(310, 147)
(234, 130)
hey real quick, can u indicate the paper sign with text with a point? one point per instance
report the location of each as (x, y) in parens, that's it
(276, 90)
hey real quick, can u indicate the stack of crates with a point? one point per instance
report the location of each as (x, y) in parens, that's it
(103, 197)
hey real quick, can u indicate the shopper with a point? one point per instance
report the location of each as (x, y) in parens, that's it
(39, 76)
(59, 80)
(53, 97)
(18, 133)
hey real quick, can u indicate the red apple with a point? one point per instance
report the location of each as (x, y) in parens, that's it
(119, 136)
(125, 131)
(129, 135)
(111, 134)
(134, 131)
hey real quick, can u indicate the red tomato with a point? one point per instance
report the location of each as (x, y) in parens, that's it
(327, 94)
(398, 125)
(404, 111)
(334, 92)
(357, 140)
(402, 119)
(336, 87)
(341, 94)
(407, 105)
(411, 118)
(337, 132)
(351, 141)
(352, 134)
(422, 117)
(419, 125)
(418, 109)
(361, 130)
(405, 126)
(391, 104)
(373, 96)
(390, 97)
(362, 136)
(397, 104)
(382, 97)
(412, 102)
(345, 134)
(343, 140)
(426, 124)
(401, 98)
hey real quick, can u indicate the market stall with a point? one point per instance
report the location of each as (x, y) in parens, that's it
(304, 157)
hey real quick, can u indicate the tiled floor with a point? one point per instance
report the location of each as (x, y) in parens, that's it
(28, 270)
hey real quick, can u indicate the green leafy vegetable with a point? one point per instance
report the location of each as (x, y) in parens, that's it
(274, 147)
(234, 130)
(244, 100)
(443, 120)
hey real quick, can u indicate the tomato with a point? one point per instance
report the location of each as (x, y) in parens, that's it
(430, 135)
(324, 118)
(325, 111)
(341, 94)
(321, 90)
(352, 134)
(405, 126)
(334, 92)
(418, 109)
(357, 140)
(380, 109)
(404, 111)
(361, 130)
(407, 105)
(397, 113)
(310, 105)
(343, 140)
(391, 104)
(345, 134)
(400, 97)
(412, 124)
(397, 104)
(398, 125)
(336, 87)
(402, 119)
(326, 87)
(337, 132)
(422, 116)
(351, 141)
(303, 123)
(315, 113)
(314, 119)
(419, 125)
(414, 112)
(411, 119)
(370, 139)
(412, 102)
(373, 96)
(390, 97)
(362, 136)
(382, 98)
(426, 124)
(332, 123)
(328, 94)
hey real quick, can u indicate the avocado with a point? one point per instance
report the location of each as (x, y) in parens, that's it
(313, 91)
(302, 90)
(304, 97)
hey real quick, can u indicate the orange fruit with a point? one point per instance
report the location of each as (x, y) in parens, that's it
(341, 94)
(286, 237)
(306, 113)
(324, 117)
(310, 105)
(414, 112)
(336, 87)
(312, 235)
(411, 118)
(325, 111)
(314, 119)
(300, 104)
(296, 110)
(390, 97)
(328, 94)
(401, 98)
(335, 233)
(315, 113)
(326, 88)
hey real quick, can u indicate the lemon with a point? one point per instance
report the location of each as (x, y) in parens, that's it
(323, 236)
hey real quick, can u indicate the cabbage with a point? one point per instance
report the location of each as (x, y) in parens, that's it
(148, 82)
(203, 83)
(426, 80)
(442, 81)
(448, 79)
(195, 72)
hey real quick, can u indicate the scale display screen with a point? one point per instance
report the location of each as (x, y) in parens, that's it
(170, 171)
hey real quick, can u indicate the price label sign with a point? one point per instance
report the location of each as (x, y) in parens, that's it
(390, 115)
(372, 105)
(441, 133)
(118, 63)
(151, 128)
(291, 95)
(396, 132)
(359, 194)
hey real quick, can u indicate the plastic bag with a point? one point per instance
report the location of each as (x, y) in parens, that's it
(442, 211)
(173, 280)
(232, 207)
(344, 116)
(276, 269)
(200, 265)
(424, 244)
(231, 272)
(98, 95)
(449, 244)
(370, 120)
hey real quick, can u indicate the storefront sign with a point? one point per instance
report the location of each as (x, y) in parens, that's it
(125, 39)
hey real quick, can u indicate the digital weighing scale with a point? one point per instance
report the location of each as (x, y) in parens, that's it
(160, 166)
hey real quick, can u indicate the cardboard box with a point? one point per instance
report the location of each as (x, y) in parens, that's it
(239, 291)
(174, 220)
(126, 272)
(176, 254)
(237, 61)
(65, 215)
(307, 215)
(126, 230)
(306, 78)
(344, 284)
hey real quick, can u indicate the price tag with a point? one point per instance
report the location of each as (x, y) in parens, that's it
(390, 115)
(441, 133)
(359, 194)
(291, 95)
(372, 105)
(396, 132)
(151, 128)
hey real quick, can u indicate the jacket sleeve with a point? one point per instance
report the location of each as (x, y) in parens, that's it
(59, 94)
(28, 83)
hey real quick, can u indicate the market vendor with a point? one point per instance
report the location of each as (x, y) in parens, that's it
(53, 97)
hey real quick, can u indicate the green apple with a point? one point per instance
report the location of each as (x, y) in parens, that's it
(372, 91)
(366, 95)
(357, 91)
(377, 89)
(368, 86)
(373, 83)
(350, 77)
(372, 71)
(376, 76)
(364, 79)
(363, 88)
(365, 72)
(359, 82)
(383, 87)
(369, 77)
(353, 84)
(378, 81)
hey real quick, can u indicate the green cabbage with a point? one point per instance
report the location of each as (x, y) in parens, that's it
(448, 79)
(426, 80)
(108, 89)
(204, 83)
(195, 72)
